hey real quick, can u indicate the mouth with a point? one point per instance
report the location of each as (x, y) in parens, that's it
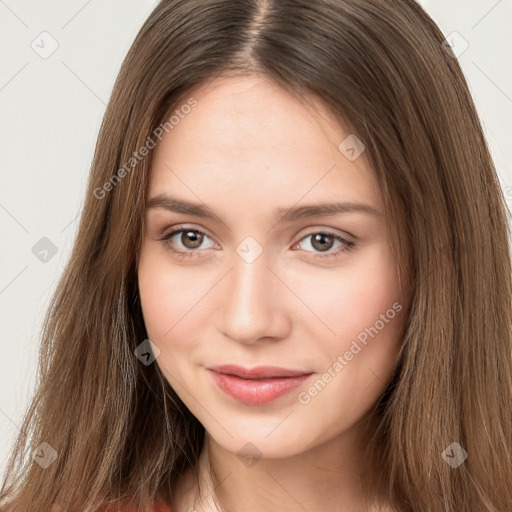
(259, 385)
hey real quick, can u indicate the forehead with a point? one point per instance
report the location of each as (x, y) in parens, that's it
(249, 136)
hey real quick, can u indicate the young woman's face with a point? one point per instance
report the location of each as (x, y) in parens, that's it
(256, 276)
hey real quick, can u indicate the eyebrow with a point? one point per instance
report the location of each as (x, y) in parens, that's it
(176, 205)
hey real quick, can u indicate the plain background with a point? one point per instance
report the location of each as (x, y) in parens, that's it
(50, 113)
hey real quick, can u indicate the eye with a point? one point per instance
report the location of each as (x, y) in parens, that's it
(186, 244)
(324, 241)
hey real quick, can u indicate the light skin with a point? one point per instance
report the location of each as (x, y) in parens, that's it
(246, 150)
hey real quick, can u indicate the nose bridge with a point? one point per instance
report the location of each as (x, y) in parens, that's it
(250, 278)
(251, 302)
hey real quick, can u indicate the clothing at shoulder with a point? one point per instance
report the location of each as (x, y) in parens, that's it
(159, 507)
(162, 508)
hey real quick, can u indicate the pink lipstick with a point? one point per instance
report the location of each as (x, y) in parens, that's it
(259, 385)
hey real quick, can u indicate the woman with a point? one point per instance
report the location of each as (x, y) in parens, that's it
(291, 284)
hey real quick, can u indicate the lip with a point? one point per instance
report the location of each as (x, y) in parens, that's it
(259, 385)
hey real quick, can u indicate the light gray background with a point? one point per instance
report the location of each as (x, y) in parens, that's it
(50, 113)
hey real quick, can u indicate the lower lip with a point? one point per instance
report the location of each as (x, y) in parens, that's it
(255, 391)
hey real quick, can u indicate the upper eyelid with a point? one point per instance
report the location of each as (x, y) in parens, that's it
(167, 232)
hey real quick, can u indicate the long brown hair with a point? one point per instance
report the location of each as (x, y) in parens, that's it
(120, 432)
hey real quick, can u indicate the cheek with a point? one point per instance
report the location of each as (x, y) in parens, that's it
(164, 295)
(170, 299)
(173, 303)
(363, 312)
(357, 296)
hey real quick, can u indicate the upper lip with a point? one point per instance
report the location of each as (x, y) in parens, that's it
(257, 372)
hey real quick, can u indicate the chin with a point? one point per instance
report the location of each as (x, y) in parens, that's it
(263, 441)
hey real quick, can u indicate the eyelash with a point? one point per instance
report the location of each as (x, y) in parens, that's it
(166, 239)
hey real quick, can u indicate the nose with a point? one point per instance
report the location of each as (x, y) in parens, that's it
(253, 302)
